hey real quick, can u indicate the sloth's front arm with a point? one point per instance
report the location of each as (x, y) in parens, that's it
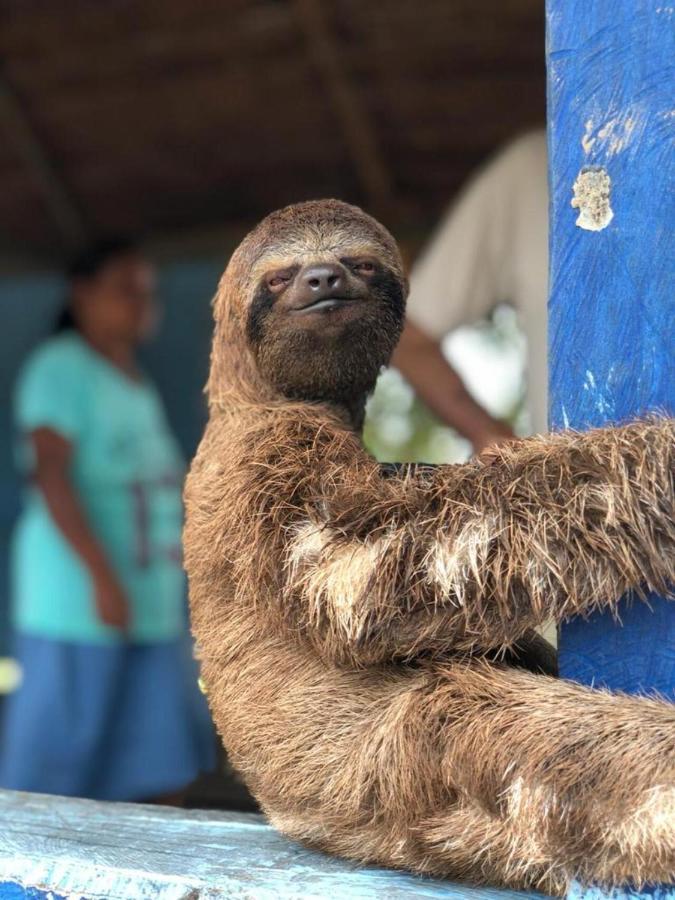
(379, 564)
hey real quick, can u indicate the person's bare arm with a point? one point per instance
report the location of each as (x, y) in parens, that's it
(421, 361)
(52, 463)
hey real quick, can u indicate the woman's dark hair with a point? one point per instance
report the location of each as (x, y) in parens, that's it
(87, 263)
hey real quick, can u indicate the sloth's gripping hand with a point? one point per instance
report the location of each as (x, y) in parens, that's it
(380, 563)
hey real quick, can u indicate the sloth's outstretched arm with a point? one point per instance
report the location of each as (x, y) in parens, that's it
(471, 556)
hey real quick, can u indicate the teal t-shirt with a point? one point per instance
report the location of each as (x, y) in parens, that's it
(128, 471)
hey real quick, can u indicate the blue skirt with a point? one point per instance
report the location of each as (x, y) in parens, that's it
(123, 722)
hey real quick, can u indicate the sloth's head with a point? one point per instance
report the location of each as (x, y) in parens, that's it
(317, 293)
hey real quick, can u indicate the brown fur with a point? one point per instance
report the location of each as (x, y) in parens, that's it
(356, 626)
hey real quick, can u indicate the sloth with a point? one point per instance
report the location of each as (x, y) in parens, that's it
(367, 633)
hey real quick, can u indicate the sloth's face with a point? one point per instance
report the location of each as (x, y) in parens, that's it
(322, 325)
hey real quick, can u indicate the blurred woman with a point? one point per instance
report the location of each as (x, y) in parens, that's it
(108, 707)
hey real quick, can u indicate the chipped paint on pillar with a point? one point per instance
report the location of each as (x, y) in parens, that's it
(591, 197)
(611, 308)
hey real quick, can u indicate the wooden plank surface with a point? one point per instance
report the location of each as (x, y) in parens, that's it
(611, 310)
(57, 847)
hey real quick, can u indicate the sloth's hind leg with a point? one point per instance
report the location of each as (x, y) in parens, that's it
(553, 781)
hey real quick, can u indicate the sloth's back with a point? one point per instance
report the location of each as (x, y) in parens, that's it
(340, 758)
(317, 745)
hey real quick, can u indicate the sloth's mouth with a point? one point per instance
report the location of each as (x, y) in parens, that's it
(325, 304)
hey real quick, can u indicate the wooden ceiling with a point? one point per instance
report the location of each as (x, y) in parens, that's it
(173, 117)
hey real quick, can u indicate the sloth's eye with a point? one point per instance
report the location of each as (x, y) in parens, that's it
(365, 266)
(278, 279)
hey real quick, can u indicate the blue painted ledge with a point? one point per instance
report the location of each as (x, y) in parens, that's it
(658, 892)
(56, 848)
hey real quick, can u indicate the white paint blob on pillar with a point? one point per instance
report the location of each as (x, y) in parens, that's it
(591, 197)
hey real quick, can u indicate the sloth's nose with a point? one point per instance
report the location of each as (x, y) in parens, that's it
(320, 281)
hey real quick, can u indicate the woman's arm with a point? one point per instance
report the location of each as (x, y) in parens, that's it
(470, 557)
(52, 464)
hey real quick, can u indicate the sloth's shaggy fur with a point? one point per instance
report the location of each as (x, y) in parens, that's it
(366, 633)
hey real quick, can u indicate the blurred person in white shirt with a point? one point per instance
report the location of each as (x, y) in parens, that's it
(491, 248)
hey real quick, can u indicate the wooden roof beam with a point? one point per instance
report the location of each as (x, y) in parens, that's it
(63, 209)
(356, 125)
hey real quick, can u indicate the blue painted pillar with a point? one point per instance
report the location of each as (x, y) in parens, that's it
(611, 310)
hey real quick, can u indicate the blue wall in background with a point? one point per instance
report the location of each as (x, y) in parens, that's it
(177, 360)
